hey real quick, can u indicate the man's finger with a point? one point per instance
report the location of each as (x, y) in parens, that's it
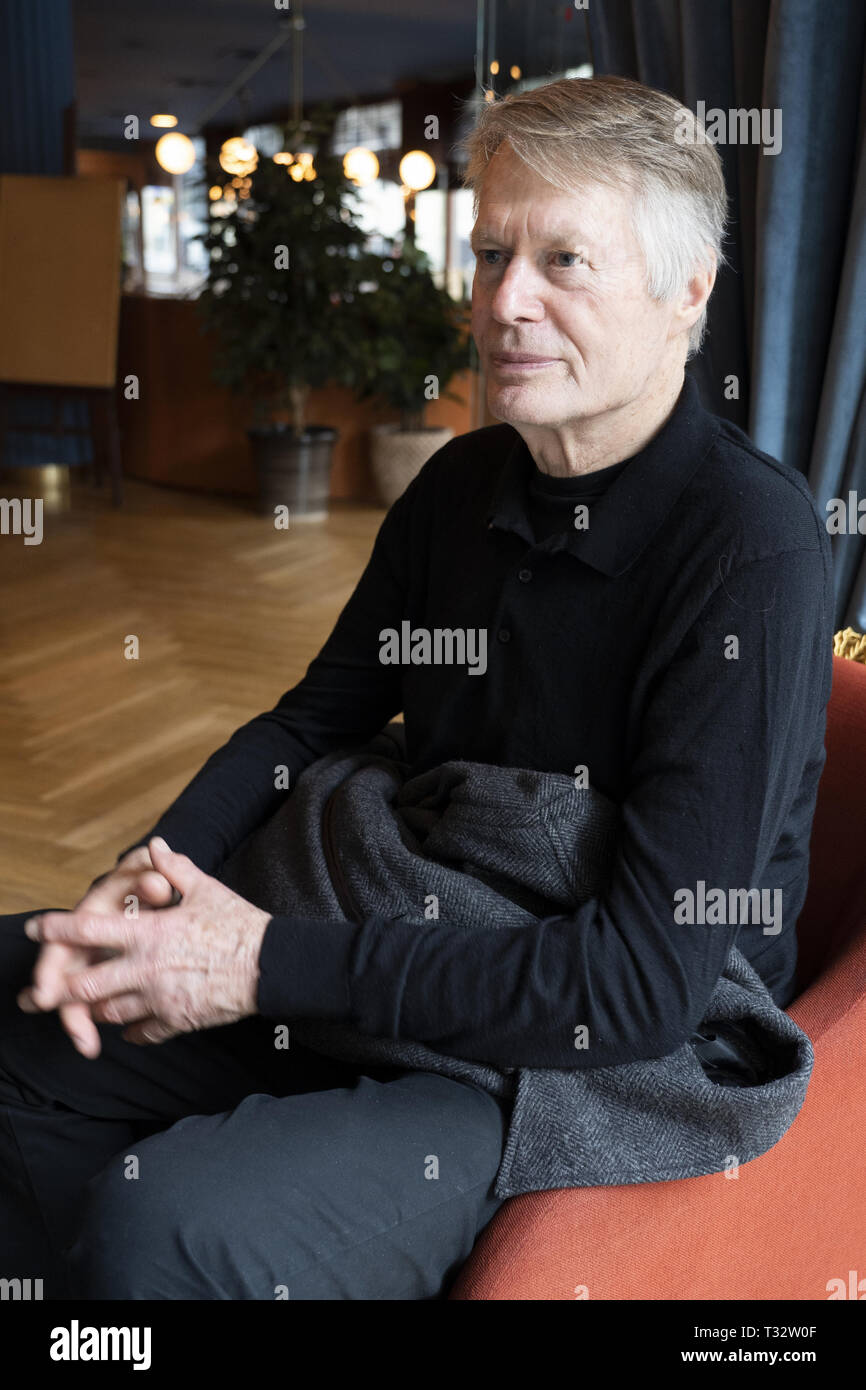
(49, 973)
(155, 888)
(76, 1020)
(179, 869)
(151, 1030)
(84, 929)
(97, 982)
(122, 1008)
(78, 1023)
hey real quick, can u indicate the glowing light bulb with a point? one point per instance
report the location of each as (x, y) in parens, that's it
(175, 153)
(238, 156)
(417, 170)
(360, 165)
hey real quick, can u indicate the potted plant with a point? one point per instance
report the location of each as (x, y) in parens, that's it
(285, 262)
(415, 340)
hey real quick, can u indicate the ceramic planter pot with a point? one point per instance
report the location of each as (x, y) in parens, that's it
(294, 470)
(396, 456)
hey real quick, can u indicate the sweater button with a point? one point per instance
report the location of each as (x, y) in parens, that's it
(524, 576)
(504, 635)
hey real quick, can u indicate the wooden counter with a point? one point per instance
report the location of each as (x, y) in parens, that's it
(187, 431)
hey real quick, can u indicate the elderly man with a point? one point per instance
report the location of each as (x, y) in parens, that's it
(658, 602)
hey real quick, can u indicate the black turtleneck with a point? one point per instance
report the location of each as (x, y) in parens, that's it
(552, 501)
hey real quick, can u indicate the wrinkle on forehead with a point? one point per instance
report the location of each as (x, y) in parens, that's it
(594, 215)
(559, 222)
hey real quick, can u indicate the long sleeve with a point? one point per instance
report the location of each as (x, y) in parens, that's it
(728, 747)
(346, 695)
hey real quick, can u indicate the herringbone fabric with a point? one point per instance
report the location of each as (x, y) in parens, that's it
(492, 846)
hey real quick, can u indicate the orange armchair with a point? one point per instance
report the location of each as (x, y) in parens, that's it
(795, 1218)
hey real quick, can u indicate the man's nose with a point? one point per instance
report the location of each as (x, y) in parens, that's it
(518, 294)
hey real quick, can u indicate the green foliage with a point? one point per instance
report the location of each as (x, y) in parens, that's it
(412, 330)
(377, 324)
(281, 330)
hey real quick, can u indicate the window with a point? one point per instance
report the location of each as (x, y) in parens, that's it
(376, 127)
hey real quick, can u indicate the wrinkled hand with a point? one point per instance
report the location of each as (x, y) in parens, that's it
(132, 877)
(177, 969)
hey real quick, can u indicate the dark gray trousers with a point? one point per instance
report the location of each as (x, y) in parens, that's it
(219, 1166)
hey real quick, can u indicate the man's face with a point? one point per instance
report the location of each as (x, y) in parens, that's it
(560, 277)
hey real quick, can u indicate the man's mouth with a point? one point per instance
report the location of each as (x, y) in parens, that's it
(519, 362)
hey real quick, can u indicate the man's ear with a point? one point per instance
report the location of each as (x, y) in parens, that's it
(690, 305)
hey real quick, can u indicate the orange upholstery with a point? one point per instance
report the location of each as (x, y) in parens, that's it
(792, 1219)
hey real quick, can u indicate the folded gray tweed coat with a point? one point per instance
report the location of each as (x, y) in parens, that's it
(504, 846)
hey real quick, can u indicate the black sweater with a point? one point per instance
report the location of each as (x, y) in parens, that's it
(678, 648)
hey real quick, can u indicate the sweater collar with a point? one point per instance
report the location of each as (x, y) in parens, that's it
(636, 503)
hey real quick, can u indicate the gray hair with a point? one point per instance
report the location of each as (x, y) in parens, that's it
(617, 132)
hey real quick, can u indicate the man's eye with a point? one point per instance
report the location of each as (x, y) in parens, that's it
(575, 258)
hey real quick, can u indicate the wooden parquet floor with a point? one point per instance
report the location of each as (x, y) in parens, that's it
(228, 612)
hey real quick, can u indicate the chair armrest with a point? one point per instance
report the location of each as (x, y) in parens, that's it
(789, 1222)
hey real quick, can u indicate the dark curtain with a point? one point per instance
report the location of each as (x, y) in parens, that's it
(787, 318)
(37, 104)
(37, 85)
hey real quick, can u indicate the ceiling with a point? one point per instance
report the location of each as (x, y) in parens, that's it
(179, 55)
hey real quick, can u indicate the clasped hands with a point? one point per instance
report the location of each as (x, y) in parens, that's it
(169, 970)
